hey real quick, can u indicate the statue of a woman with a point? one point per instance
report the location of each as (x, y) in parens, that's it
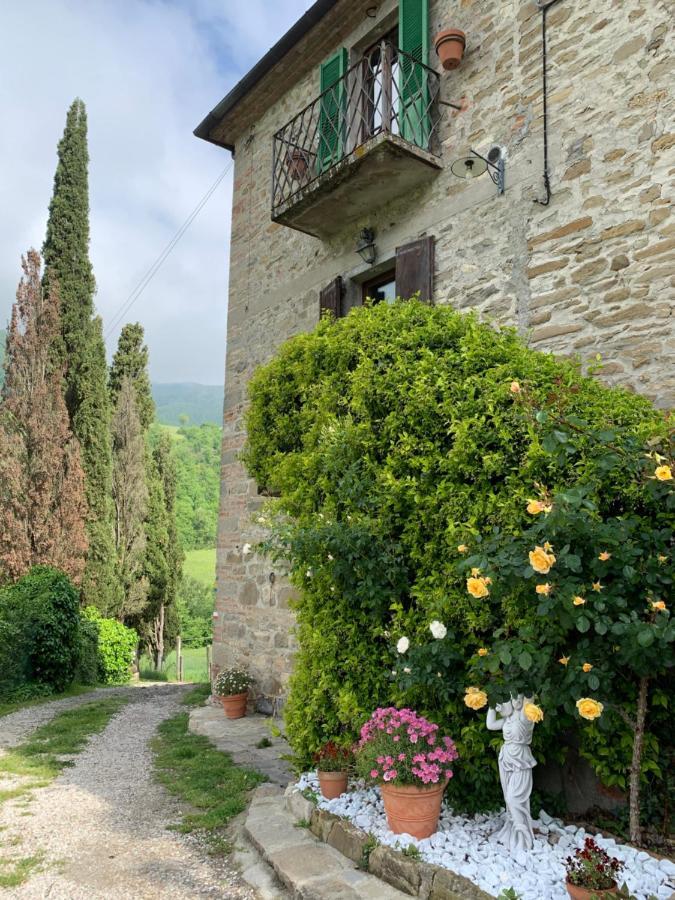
(515, 771)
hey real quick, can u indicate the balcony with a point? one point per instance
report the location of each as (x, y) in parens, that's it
(371, 137)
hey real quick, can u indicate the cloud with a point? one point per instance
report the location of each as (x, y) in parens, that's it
(148, 72)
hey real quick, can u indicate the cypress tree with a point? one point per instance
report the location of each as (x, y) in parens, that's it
(66, 256)
(131, 361)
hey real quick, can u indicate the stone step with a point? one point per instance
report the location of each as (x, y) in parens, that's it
(310, 869)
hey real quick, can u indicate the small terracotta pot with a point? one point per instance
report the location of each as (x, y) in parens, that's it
(411, 809)
(333, 784)
(450, 46)
(582, 893)
(297, 164)
(235, 705)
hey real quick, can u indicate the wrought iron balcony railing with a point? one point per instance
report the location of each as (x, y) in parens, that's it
(385, 92)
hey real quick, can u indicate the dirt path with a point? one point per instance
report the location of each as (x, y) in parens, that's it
(101, 827)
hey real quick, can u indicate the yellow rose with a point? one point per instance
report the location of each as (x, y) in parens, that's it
(597, 587)
(477, 587)
(534, 507)
(543, 588)
(578, 601)
(541, 561)
(515, 387)
(483, 651)
(548, 547)
(587, 667)
(664, 473)
(589, 708)
(604, 556)
(475, 572)
(659, 605)
(564, 660)
(533, 712)
(462, 548)
(475, 698)
(662, 558)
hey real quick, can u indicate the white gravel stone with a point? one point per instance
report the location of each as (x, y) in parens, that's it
(467, 845)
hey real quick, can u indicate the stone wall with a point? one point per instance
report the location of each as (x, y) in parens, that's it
(590, 273)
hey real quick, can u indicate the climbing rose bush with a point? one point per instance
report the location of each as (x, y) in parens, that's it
(398, 745)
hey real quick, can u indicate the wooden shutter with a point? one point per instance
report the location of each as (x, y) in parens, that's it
(415, 270)
(413, 31)
(330, 298)
(331, 113)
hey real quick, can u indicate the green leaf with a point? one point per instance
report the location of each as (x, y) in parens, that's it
(600, 628)
(646, 637)
(525, 660)
(583, 624)
(505, 655)
(593, 682)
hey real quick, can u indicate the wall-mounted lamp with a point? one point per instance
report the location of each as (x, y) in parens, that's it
(365, 246)
(475, 165)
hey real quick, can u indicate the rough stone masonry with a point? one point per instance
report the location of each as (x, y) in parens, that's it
(590, 273)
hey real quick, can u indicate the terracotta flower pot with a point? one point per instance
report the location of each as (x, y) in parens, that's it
(450, 46)
(297, 164)
(235, 705)
(411, 809)
(333, 784)
(582, 893)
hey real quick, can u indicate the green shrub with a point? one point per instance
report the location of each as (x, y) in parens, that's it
(87, 666)
(392, 439)
(40, 613)
(116, 648)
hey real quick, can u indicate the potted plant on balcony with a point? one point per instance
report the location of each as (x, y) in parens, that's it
(231, 687)
(402, 753)
(450, 45)
(332, 765)
(591, 872)
(297, 162)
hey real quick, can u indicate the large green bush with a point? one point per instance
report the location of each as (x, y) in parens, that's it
(392, 438)
(88, 662)
(40, 617)
(116, 648)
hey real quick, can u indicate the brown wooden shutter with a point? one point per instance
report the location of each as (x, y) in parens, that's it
(415, 270)
(331, 298)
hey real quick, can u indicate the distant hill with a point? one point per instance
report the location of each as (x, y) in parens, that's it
(201, 403)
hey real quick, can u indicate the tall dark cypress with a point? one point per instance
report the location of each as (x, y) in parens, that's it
(66, 256)
(131, 361)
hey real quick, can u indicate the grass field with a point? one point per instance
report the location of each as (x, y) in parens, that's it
(201, 565)
(194, 666)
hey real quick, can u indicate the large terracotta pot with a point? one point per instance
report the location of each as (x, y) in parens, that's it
(450, 46)
(411, 809)
(235, 705)
(298, 164)
(333, 784)
(582, 893)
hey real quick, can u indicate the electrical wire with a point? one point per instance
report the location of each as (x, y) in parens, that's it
(161, 259)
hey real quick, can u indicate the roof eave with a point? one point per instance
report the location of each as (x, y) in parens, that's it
(304, 24)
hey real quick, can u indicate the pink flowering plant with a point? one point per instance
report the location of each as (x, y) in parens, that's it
(398, 746)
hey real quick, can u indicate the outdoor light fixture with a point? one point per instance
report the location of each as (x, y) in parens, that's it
(365, 246)
(475, 165)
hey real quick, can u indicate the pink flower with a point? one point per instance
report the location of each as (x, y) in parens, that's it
(374, 773)
(397, 737)
(401, 757)
(390, 774)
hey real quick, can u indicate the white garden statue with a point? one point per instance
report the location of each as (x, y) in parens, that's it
(515, 771)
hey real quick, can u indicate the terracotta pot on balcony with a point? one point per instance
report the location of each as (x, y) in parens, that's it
(297, 163)
(450, 46)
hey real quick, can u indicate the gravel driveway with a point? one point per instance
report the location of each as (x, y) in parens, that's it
(101, 826)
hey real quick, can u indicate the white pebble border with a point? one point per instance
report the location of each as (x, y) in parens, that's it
(466, 846)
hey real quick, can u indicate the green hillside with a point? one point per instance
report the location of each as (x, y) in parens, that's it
(201, 403)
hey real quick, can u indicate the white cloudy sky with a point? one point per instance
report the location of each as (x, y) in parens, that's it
(148, 71)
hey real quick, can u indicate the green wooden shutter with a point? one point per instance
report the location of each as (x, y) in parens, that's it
(332, 112)
(413, 36)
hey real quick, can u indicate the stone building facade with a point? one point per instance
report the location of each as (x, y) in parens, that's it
(590, 272)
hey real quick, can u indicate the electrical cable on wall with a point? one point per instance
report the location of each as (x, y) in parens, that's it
(544, 7)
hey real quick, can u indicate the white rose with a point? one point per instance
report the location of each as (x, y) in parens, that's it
(308, 573)
(331, 557)
(406, 670)
(246, 549)
(438, 630)
(402, 645)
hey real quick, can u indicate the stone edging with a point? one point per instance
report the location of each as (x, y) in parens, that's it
(412, 876)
